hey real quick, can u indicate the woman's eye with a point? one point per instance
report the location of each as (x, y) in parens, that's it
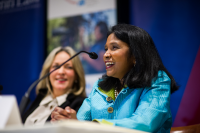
(55, 66)
(106, 49)
(114, 47)
(69, 67)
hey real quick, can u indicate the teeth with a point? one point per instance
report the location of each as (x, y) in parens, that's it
(109, 63)
(61, 79)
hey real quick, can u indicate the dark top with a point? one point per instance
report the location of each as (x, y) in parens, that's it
(72, 101)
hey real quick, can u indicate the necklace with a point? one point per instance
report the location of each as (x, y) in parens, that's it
(116, 93)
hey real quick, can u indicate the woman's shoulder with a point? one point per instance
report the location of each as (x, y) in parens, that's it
(161, 76)
(162, 73)
(95, 85)
(42, 91)
(161, 79)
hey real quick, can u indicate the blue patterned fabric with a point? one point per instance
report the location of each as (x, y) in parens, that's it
(146, 109)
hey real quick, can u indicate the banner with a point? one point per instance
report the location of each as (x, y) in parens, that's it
(82, 25)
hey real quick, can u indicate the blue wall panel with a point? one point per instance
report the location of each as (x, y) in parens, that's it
(174, 27)
(22, 37)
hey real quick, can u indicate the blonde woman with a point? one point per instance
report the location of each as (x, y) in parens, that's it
(64, 87)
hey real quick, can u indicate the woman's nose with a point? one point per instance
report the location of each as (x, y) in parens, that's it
(61, 69)
(107, 55)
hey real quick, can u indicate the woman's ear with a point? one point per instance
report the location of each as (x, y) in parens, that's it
(76, 78)
(134, 60)
(75, 81)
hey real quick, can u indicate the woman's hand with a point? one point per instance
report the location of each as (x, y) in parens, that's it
(63, 114)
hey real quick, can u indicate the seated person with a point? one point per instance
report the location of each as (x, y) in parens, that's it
(64, 87)
(135, 92)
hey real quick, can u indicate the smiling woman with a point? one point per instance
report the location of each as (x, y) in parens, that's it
(116, 56)
(135, 91)
(64, 87)
(62, 79)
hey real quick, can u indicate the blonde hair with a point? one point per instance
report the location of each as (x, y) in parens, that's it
(78, 87)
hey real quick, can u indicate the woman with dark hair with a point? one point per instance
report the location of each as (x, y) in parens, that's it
(135, 92)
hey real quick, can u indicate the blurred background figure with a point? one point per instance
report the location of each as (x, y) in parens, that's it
(82, 32)
(100, 33)
(64, 87)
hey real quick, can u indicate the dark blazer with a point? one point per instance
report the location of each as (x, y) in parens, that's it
(72, 101)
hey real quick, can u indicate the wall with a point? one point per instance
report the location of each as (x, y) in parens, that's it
(22, 44)
(174, 27)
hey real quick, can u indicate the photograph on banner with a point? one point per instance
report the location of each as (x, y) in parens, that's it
(87, 32)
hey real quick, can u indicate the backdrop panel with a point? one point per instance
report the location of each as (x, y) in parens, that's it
(74, 23)
(174, 27)
(21, 44)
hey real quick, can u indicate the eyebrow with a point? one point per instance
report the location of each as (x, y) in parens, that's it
(112, 44)
(56, 63)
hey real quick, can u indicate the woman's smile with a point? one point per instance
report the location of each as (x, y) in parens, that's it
(61, 80)
(109, 64)
(117, 59)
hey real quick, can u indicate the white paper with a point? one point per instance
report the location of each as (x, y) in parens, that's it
(9, 112)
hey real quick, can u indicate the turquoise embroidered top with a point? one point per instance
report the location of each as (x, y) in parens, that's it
(146, 109)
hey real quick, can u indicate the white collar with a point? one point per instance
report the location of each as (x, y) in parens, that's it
(60, 99)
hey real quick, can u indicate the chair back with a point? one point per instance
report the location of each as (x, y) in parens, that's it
(186, 129)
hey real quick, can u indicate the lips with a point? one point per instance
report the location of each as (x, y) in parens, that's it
(109, 64)
(61, 80)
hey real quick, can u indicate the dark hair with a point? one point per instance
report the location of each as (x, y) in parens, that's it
(148, 61)
(103, 28)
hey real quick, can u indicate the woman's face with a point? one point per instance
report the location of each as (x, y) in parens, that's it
(97, 33)
(117, 59)
(63, 78)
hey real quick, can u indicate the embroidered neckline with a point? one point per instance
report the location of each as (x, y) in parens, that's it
(116, 93)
